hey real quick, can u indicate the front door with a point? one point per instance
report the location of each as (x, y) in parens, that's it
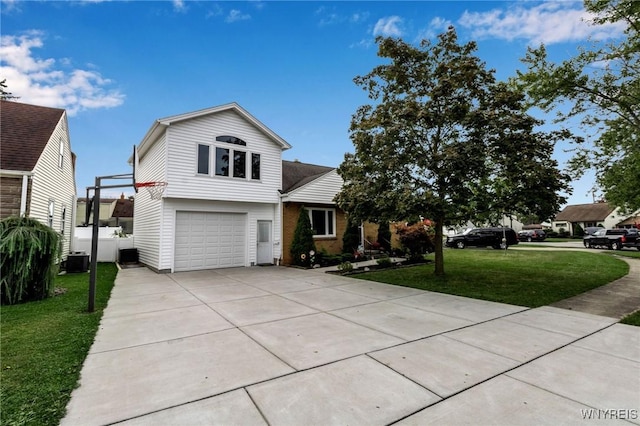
(265, 247)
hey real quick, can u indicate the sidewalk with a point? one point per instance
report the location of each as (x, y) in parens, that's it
(616, 299)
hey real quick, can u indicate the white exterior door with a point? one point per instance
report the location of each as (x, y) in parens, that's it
(265, 247)
(206, 240)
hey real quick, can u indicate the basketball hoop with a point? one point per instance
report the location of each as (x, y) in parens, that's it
(156, 189)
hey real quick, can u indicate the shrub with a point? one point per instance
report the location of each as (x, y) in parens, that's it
(30, 254)
(351, 237)
(303, 243)
(345, 267)
(384, 262)
(416, 238)
(578, 231)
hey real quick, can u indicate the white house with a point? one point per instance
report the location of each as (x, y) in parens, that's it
(221, 206)
(37, 167)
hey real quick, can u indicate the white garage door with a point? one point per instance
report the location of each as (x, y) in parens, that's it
(210, 240)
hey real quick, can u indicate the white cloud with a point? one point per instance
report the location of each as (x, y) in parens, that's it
(9, 6)
(359, 17)
(42, 82)
(436, 26)
(365, 43)
(549, 23)
(179, 6)
(235, 15)
(388, 27)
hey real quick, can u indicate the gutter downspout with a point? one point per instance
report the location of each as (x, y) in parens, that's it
(23, 196)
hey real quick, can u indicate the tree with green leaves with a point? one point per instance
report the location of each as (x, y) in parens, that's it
(445, 141)
(599, 87)
(303, 244)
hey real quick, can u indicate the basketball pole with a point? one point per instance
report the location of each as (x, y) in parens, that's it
(93, 270)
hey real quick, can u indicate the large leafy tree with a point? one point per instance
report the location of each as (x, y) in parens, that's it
(445, 141)
(599, 87)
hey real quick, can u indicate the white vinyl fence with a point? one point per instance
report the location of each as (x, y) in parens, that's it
(108, 243)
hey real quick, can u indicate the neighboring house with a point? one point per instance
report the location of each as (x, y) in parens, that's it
(221, 207)
(37, 167)
(113, 212)
(314, 188)
(586, 215)
(630, 222)
(122, 214)
(106, 207)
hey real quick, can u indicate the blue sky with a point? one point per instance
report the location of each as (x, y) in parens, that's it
(118, 66)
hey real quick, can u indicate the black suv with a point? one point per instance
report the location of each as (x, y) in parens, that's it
(532, 235)
(483, 237)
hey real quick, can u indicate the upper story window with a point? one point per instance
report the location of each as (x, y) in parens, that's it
(229, 161)
(239, 164)
(61, 153)
(323, 222)
(255, 166)
(231, 139)
(203, 159)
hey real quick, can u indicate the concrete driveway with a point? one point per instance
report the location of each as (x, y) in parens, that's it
(283, 346)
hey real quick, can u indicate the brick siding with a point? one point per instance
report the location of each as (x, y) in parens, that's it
(290, 214)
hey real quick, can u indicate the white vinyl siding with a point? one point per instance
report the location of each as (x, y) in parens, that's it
(319, 191)
(50, 182)
(147, 223)
(171, 149)
(182, 145)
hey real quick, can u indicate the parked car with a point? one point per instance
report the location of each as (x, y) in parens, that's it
(532, 235)
(483, 237)
(590, 230)
(613, 239)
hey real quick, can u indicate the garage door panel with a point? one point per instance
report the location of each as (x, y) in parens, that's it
(207, 240)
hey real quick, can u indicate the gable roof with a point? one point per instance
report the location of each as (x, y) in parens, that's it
(160, 125)
(296, 174)
(24, 132)
(123, 208)
(585, 212)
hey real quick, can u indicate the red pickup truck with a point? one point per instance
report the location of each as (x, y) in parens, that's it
(613, 239)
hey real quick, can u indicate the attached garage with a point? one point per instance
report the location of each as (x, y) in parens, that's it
(208, 240)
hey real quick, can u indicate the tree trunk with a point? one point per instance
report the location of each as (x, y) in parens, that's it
(439, 271)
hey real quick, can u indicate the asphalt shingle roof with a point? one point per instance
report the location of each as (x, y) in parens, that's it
(295, 174)
(585, 212)
(24, 132)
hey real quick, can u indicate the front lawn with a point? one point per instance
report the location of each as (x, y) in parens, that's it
(44, 344)
(525, 278)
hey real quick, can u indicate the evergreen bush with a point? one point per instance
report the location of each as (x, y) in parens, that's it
(303, 242)
(30, 252)
(351, 237)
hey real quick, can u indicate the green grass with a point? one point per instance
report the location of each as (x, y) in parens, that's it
(626, 253)
(44, 344)
(632, 319)
(524, 278)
